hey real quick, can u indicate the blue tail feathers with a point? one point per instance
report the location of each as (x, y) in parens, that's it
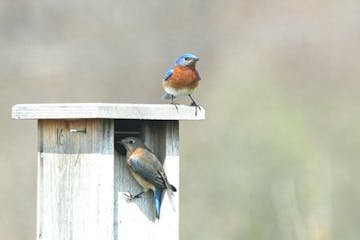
(158, 196)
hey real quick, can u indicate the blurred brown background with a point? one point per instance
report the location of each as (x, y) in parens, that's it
(277, 156)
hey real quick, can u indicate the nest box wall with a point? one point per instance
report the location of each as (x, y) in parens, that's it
(82, 173)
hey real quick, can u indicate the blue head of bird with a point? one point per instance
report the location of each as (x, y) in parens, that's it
(187, 59)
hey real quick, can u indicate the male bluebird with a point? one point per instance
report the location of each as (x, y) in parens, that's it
(182, 78)
(146, 169)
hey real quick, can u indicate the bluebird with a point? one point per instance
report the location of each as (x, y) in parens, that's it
(146, 168)
(182, 78)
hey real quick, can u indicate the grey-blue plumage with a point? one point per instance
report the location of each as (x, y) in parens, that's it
(146, 168)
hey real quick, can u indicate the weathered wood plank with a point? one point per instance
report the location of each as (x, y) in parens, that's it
(136, 219)
(81, 178)
(106, 110)
(75, 179)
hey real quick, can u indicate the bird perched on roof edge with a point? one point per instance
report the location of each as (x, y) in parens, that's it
(181, 79)
(146, 168)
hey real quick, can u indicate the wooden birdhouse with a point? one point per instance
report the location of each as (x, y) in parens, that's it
(82, 174)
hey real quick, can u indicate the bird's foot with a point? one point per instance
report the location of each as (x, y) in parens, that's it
(194, 104)
(129, 196)
(176, 105)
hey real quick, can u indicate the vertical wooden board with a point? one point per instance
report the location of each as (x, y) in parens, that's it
(75, 179)
(136, 219)
(170, 206)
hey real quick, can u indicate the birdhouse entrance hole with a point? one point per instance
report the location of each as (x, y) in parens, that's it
(152, 132)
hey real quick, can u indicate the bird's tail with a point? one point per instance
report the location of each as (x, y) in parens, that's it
(166, 96)
(158, 196)
(172, 188)
(168, 186)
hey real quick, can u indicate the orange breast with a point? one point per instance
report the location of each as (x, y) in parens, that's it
(138, 152)
(183, 77)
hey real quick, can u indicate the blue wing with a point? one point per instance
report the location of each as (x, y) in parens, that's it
(149, 168)
(169, 73)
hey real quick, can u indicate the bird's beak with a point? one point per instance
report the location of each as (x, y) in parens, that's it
(122, 142)
(194, 60)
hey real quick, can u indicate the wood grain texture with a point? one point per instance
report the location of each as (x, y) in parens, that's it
(81, 182)
(75, 180)
(106, 110)
(136, 219)
(82, 179)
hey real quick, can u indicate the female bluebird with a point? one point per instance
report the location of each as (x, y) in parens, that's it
(182, 78)
(146, 169)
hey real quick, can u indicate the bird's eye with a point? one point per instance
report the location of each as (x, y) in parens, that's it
(187, 59)
(131, 141)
